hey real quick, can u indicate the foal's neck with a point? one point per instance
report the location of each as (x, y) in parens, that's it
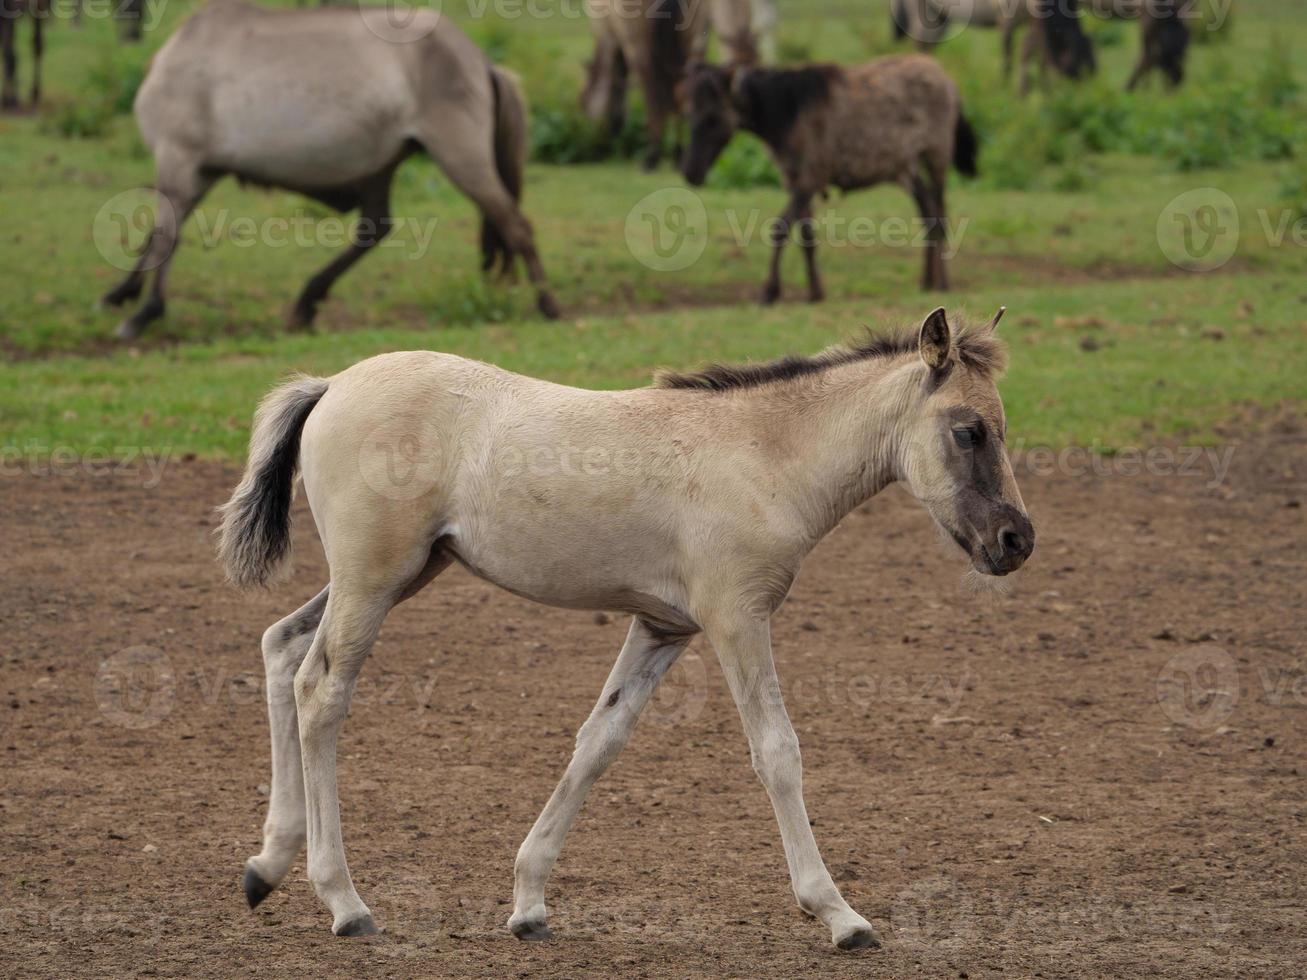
(837, 435)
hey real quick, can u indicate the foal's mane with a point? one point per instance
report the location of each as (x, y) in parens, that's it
(978, 348)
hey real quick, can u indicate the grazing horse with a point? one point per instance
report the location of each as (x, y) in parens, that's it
(1056, 36)
(1056, 39)
(657, 40)
(327, 102)
(1164, 34)
(11, 11)
(689, 505)
(896, 119)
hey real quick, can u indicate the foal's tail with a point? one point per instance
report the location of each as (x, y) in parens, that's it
(510, 160)
(255, 532)
(966, 147)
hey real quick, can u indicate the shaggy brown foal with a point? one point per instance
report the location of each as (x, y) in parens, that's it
(896, 119)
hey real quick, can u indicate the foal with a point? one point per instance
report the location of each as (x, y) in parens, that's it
(896, 119)
(689, 505)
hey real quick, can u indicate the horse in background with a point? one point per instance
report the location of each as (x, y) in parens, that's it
(657, 40)
(328, 102)
(1165, 36)
(11, 11)
(893, 120)
(1056, 37)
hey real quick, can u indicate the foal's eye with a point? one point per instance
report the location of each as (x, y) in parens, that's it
(967, 438)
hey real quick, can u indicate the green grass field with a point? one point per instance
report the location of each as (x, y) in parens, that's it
(1070, 225)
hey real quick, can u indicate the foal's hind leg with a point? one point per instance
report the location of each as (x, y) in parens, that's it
(644, 659)
(39, 12)
(8, 30)
(284, 646)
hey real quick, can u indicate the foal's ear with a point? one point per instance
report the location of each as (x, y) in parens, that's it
(935, 340)
(993, 324)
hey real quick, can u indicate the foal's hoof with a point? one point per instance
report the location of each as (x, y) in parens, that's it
(128, 330)
(859, 939)
(256, 889)
(300, 320)
(532, 932)
(770, 294)
(354, 928)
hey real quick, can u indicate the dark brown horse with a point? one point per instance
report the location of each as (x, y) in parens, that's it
(893, 120)
(11, 11)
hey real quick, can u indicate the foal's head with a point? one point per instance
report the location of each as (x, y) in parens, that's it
(952, 454)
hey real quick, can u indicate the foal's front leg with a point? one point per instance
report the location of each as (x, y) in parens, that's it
(644, 660)
(743, 645)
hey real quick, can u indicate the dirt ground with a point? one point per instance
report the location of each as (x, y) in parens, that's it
(1100, 775)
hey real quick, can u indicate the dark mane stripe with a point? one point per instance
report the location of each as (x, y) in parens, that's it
(978, 350)
(770, 100)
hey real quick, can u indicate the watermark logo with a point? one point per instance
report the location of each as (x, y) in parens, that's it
(402, 458)
(1199, 687)
(1199, 229)
(935, 912)
(667, 231)
(401, 22)
(136, 688)
(122, 228)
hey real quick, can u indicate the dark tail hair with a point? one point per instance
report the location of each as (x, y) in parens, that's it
(255, 532)
(510, 161)
(669, 44)
(966, 147)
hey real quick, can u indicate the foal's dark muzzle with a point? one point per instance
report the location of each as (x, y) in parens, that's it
(1013, 541)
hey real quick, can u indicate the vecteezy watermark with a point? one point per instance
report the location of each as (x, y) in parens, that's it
(1208, 463)
(136, 688)
(1199, 687)
(36, 458)
(939, 913)
(124, 224)
(667, 230)
(140, 687)
(1199, 229)
(147, 13)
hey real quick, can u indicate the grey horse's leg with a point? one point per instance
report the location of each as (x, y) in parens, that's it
(182, 183)
(373, 225)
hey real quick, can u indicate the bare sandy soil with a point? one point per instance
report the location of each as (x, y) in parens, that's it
(1099, 775)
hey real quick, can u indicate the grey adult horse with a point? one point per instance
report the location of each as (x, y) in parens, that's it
(328, 102)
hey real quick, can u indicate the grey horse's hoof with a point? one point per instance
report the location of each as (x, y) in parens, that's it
(859, 939)
(256, 889)
(362, 926)
(532, 932)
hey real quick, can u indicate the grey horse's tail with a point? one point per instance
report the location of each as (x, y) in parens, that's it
(255, 532)
(510, 161)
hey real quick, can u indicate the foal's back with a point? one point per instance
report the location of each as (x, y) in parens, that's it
(887, 115)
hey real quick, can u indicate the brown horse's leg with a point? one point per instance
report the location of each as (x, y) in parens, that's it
(653, 106)
(373, 225)
(780, 234)
(8, 28)
(39, 11)
(181, 185)
(928, 192)
(808, 242)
